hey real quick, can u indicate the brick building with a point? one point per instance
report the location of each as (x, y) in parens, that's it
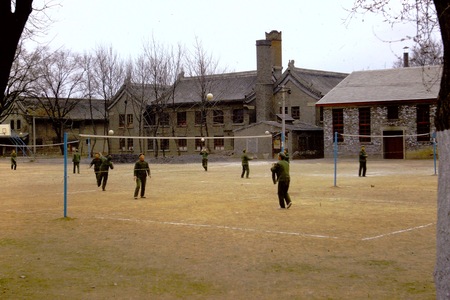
(391, 112)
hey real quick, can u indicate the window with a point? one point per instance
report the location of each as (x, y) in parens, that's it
(151, 145)
(19, 125)
(364, 124)
(218, 117)
(338, 123)
(130, 144)
(122, 120)
(295, 112)
(164, 145)
(238, 116)
(321, 114)
(150, 117)
(392, 112)
(219, 144)
(122, 144)
(129, 120)
(286, 110)
(181, 119)
(12, 124)
(182, 145)
(164, 119)
(200, 117)
(423, 123)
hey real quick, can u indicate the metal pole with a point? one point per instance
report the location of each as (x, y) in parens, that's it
(89, 148)
(335, 157)
(65, 174)
(434, 152)
(34, 135)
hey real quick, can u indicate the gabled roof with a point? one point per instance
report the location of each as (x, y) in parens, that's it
(144, 93)
(390, 85)
(315, 82)
(80, 111)
(224, 87)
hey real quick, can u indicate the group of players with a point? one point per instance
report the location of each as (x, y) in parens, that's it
(102, 164)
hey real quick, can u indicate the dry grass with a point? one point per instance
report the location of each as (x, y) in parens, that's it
(213, 235)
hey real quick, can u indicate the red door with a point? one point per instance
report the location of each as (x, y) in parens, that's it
(393, 144)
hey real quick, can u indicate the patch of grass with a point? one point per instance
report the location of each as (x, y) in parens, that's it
(416, 287)
(182, 286)
(293, 268)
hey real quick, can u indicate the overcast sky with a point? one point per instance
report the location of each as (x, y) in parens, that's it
(314, 32)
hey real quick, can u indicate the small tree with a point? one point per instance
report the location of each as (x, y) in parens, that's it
(201, 65)
(59, 81)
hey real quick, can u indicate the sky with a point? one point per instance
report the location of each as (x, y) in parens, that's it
(314, 33)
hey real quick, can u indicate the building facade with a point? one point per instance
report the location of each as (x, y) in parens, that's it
(390, 112)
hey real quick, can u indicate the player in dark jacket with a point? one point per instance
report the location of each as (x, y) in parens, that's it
(104, 170)
(96, 162)
(280, 174)
(141, 171)
(245, 165)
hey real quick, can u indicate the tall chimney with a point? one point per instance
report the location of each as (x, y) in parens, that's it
(264, 84)
(405, 57)
(275, 38)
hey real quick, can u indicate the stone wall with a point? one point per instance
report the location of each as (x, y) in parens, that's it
(351, 145)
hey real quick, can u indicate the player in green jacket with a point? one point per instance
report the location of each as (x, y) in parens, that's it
(141, 171)
(245, 165)
(104, 170)
(204, 154)
(280, 174)
(76, 161)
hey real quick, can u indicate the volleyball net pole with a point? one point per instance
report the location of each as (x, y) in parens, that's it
(65, 174)
(335, 157)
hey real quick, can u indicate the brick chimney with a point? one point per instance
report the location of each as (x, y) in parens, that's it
(268, 66)
(405, 57)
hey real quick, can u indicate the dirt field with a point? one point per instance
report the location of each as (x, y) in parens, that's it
(213, 235)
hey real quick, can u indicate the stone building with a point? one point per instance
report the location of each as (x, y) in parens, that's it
(241, 101)
(391, 112)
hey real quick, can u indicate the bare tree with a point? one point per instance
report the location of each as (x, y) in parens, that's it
(109, 74)
(429, 15)
(89, 90)
(58, 83)
(201, 66)
(21, 76)
(425, 54)
(165, 65)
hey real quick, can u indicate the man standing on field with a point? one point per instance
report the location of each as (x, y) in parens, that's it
(362, 162)
(280, 174)
(141, 171)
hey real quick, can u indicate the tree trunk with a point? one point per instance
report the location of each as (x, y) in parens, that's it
(11, 28)
(442, 269)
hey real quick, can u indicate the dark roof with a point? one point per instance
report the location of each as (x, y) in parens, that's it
(81, 110)
(296, 126)
(224, 87)
(402, 84)
(141, 93)
(316, 82)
